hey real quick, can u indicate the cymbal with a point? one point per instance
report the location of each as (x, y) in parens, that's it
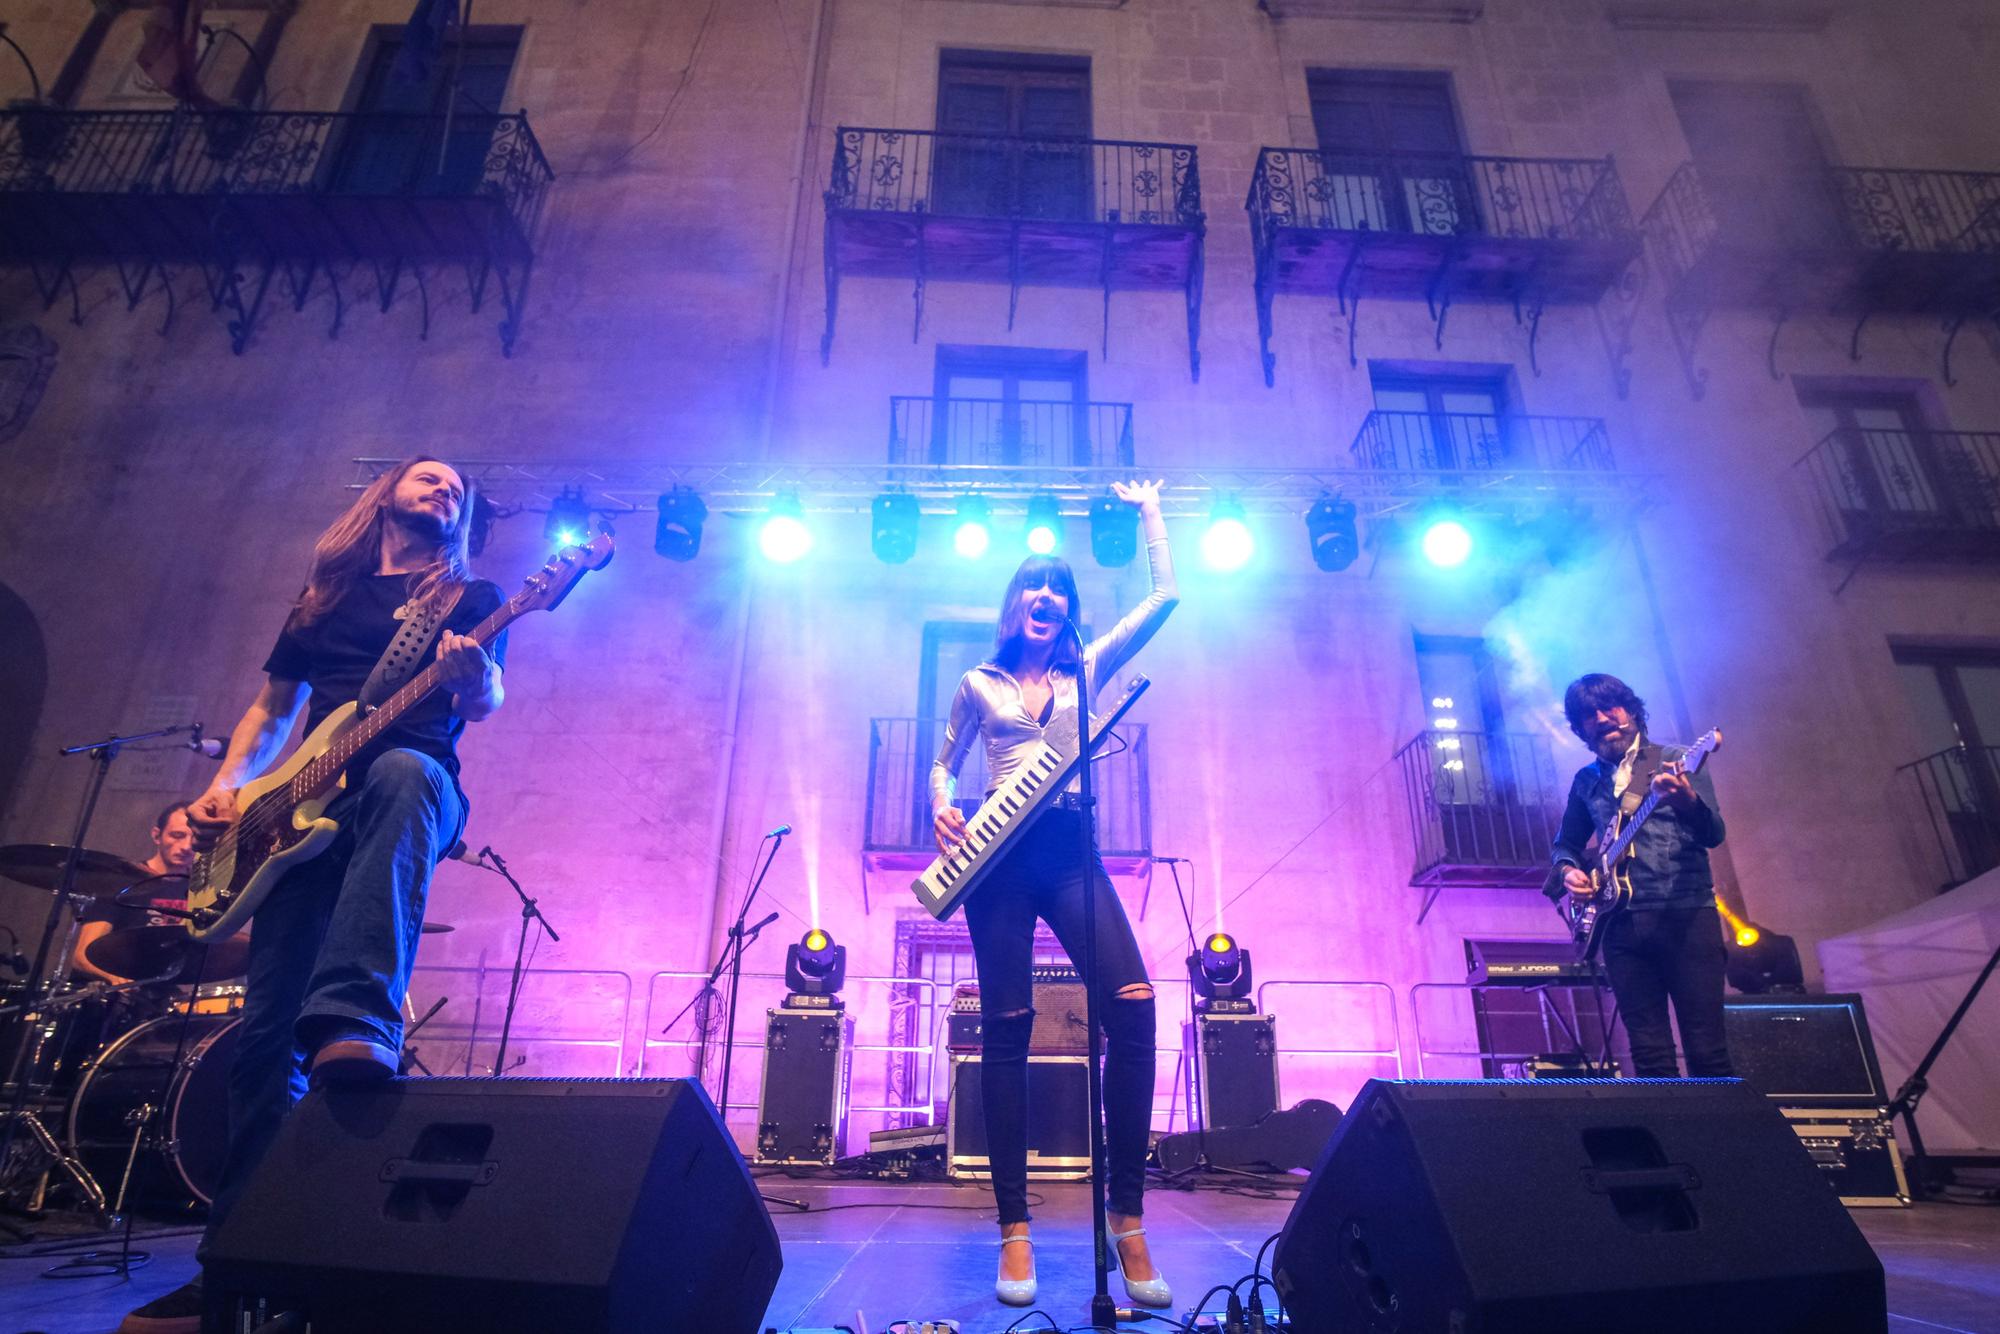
(438, 928)
(169, 953)
(173, 885)
(98, 874)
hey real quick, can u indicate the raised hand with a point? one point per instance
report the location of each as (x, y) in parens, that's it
(1139, 495)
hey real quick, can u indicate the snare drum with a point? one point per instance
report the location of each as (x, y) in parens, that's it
(183, 1155)
(213, 998)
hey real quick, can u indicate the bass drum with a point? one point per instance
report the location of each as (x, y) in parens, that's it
(183, 1155)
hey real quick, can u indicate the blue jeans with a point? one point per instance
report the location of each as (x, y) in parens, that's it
(333, 945)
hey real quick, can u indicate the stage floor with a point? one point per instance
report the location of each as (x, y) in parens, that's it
(868, 1254)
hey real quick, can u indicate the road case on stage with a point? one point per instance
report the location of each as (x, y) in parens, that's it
(1058, 1119)
(802, 1108)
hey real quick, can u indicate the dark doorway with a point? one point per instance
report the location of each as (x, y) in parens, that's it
(1954, 699)
(1015, 133)
(1390, 147)
(1762, 164)
(1010, 407)
(393, 145)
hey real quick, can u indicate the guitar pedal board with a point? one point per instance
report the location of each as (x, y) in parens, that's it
(1856, 1151)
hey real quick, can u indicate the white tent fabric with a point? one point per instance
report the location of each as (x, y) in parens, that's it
(1912, 970)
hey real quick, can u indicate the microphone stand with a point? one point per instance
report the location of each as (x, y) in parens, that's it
(530, 913)
(101, 753)
(1103, 1312)
(737, 941)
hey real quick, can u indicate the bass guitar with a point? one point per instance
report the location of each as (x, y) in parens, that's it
(282, 820)
(1609, 870)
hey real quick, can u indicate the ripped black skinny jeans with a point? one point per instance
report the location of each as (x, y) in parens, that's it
(1042, 878)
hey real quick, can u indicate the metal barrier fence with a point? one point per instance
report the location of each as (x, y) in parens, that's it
(465, 1035)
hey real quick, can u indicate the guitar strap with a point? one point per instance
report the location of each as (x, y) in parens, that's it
(406, 651)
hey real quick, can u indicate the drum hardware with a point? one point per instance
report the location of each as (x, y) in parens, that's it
(75, 875)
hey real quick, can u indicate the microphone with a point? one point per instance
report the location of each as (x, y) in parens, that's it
(208, 746)
(779, 832)
(460, 852)
(1170, 861)
(761, 925)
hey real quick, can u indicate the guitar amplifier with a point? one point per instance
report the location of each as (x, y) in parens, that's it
(1058, 1120)
(802, 1107)
(1059, 1003)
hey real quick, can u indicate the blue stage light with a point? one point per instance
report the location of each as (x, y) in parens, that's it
(1227, 545)
(1447, 543)
(568, 523)
(1044, 535)
(785, 537)
(972, 533)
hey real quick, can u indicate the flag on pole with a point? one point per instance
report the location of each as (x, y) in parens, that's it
(423, 39)
(170, 54)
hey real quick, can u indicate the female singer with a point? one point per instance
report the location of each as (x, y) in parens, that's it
(1008, 700)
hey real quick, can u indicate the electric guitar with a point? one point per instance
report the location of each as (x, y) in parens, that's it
(282, 820)
(1609, 871)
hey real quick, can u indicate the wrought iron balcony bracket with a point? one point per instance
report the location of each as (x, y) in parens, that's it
(254, 200)
(1530, 232)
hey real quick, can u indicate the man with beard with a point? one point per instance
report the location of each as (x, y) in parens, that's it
(1667, 943)
(334, 942)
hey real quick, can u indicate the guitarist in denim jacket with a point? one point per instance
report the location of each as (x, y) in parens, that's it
(1667, 943)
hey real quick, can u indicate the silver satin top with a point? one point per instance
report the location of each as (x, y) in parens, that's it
(988, 702)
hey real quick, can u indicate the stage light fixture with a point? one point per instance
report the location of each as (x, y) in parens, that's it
(569, 518)
(972, 530)
(893, 528)
(1330, 528)
(1447, 543)
(1227, 544)
(785, 537)
(1114, 531)
(1220, 970)
(682, 513)
(815, 966)
(1768, 961)
(1044, 536)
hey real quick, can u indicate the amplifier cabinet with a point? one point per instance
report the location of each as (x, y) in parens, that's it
(1058, 1120)
(1232, 1065)
(802, 1107)
(1855, 1150)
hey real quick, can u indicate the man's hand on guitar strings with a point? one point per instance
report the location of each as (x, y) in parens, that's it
(211, 813)
(463, 667)
(1675, 789)
(1578, 882)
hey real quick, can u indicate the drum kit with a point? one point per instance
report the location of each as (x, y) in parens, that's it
(118, 1087)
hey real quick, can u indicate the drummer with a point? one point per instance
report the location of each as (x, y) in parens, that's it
(173, 854)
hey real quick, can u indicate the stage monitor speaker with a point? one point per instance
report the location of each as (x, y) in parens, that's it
(500, 1205)
(1572, 1207)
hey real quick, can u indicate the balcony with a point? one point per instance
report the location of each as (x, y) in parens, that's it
(1894, 496)
(1009, 433)
(898, 817)
(1481, 446)
(1960, 791)
(1483, 810)
(1100, 213)
(1530, 231)
(1856, 241)
(357, 202)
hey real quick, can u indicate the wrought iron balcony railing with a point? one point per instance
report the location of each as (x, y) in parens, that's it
(1436, 226)
(1826, 239)
(1960, 791)
(238, 189)
(252, 154)
(1819, 209)
(1000, 177)
(1055, 212)
(1483, 808)
(1481, 443)
(1009, 433)
(898, 817)
(1439, 195)
(1908, 495)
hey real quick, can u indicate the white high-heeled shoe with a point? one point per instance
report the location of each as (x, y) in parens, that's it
(1152, 1292)
(1015, 1291)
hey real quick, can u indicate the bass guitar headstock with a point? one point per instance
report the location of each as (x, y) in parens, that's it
(545, 589)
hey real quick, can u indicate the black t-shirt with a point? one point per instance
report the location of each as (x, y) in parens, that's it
(335, 654)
